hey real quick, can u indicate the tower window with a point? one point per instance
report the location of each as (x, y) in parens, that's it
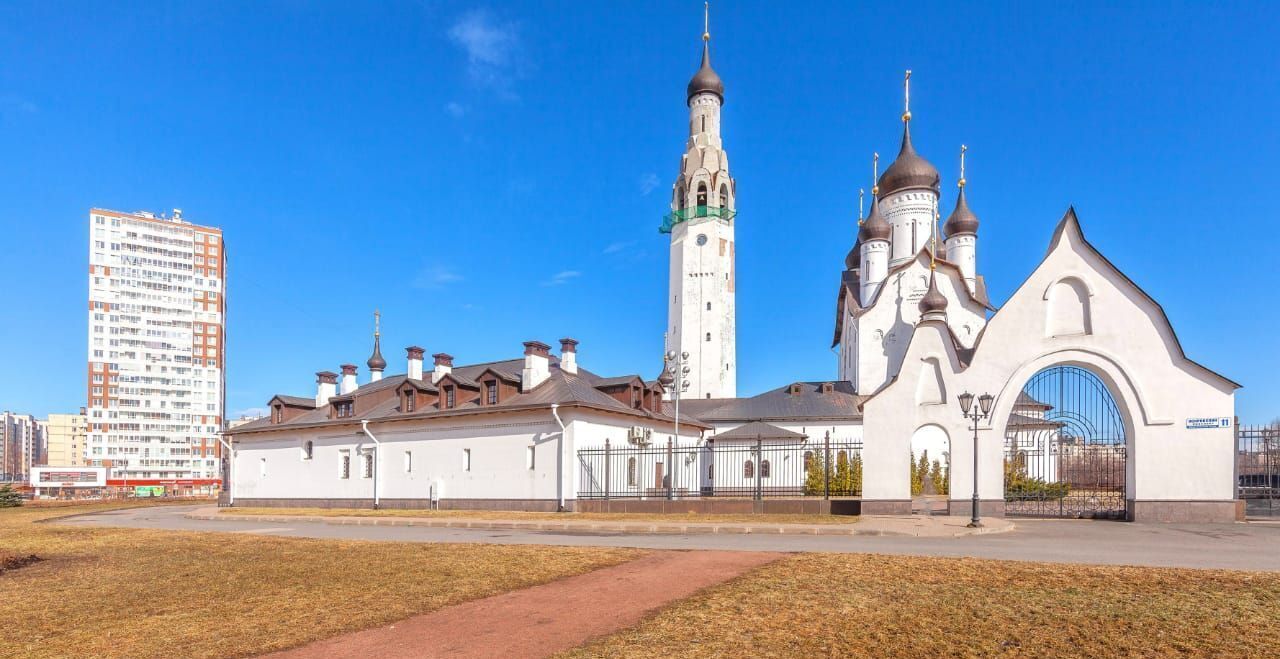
(708, 336)
(724, 196)
(708, 306)
(702, 200)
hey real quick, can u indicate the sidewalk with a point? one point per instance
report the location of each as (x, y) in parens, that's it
(913, 526)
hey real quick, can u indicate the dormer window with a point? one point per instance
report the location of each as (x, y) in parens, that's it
(410, 401)
(491, 392)
(449, 398)
(828, 387)
(343, 409)
(795, 389)
(277, 413)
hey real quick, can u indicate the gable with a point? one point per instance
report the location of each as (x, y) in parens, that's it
(1077, 294)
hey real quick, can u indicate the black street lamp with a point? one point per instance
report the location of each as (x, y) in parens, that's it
(982, 411)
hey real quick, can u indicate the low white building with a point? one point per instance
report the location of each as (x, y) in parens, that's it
(503, 434)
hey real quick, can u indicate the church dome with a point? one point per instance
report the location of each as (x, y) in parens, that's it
(909, 170)
(706, 80)
(933, 301)
(376, 362)
(854, 257)
(962, 220)
(875, 227)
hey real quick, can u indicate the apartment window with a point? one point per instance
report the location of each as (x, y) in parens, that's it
(368, 464)
(491, 393)
(308, 449)
(408, 462)
(448, 397)
(528, 457)
(466, 459)
(344, 465)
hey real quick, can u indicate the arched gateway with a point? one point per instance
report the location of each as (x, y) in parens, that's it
(1065, 448)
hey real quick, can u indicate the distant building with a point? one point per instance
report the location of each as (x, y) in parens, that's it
(156, 349)
(65, 437)
(21, 445)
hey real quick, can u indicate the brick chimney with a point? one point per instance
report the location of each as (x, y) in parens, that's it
(326, 383)
(348, 379)
(415, 362)
(537, 365)
(569, 355)
(443, 366)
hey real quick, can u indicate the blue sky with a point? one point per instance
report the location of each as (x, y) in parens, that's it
(495, 173)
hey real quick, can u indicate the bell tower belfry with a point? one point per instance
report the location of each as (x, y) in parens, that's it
(701, 308)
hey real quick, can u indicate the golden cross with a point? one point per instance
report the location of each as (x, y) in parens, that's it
(963, 148)
(875, 173)
(906, 97)
(377, 324)
(706, 20)
(861, 192)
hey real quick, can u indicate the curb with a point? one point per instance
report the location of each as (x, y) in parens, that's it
(592, 527)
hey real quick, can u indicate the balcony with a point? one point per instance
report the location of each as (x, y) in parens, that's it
(670, 220)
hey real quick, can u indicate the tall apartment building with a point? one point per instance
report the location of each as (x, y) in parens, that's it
(65, 439)
(21, 446)
(156, 349)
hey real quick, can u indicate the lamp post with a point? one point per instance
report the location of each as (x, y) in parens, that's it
(677, 369)
(982, 411)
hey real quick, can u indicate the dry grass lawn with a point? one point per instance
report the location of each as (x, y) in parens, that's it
(137, 593)
(826, 605)
(558, 517)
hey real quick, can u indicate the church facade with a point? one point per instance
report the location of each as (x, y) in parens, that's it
(1088, 406)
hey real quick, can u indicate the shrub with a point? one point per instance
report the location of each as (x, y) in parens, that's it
(9, 497)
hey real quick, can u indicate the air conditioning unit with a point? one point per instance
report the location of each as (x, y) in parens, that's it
(639, 435)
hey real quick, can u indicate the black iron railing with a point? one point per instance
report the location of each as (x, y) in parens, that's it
(1258, 469)
(741, 469)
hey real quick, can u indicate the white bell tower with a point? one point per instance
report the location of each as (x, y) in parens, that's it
(701, 301)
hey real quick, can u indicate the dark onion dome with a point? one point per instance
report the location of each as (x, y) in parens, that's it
(854, 258)
(706, 80)
(909, 170)
(376, 362)
(933, 301)
(666, 377)
(875, 227)
(962, 220)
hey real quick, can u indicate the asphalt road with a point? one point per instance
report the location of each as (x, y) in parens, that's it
(1252, 546)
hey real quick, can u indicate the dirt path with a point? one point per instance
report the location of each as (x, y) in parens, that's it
(543, 620)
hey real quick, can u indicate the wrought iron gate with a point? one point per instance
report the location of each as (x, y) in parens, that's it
(1258, 469)
(1065, 452)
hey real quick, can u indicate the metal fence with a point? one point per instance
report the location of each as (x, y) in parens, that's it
(752, 470)
(1258, 469)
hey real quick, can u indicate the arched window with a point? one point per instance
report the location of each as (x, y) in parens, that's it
(764, 469)
(631, 471)
(308, 449)
(708, 336)
(708, 306)
(724, 195)
(748, 469)
(808, 460)
(702, 200)
(842, 459)
(682, 198)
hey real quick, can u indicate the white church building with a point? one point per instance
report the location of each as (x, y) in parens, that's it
(1094, 409)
